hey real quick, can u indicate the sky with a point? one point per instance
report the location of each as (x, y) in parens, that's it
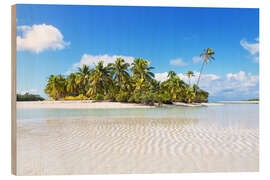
(57, 39)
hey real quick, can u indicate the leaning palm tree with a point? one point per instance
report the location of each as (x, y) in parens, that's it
(207, 56)
(189, 75)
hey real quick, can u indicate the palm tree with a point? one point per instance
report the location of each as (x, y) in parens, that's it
(171, 74)
(189, 75)
(71, 84)
(82, 77)
(56, 86)
(208, 56)
(173, 85)
(100, 77)
(141, 72)
(84, 70)
(195, 87)
(155, 85)
(120, 71)
(189, 94)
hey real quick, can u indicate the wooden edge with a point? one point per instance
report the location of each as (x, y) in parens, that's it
(13, 93)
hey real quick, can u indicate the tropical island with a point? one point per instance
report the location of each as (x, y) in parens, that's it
(122, 82)
(29, 97)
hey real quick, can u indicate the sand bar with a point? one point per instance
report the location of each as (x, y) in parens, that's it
(77, 105)
(88, 104)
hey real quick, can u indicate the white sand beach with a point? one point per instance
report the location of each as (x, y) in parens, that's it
(78, 105)
(88, 104)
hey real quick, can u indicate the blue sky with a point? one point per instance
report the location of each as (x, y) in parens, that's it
(57, 39)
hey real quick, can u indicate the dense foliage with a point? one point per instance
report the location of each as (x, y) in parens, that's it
(123, 82)
(255, 99)
(29, 97)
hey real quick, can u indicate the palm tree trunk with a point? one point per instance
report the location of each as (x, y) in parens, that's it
(104, 86)
(119, 81)
(172, 96)
(200, 75)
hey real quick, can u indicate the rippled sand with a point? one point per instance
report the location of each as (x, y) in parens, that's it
(133, 145)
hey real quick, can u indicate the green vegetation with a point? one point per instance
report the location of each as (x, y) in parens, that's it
(189, 75)
(123, 82)
(255, 99)
(29, 97)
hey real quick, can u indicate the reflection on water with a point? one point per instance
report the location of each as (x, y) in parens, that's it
(126, 123)
(228, 115)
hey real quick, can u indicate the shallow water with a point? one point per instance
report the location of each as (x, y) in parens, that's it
(228, 115)
(150, 140)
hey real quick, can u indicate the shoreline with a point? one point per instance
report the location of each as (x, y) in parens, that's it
(89, 104)
(239, 102)
(81, 104)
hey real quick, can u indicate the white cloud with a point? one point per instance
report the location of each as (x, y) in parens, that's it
(38, 38)
(196, 59)
(247, 80)
(252, 48)
(238, 76)
(184, 77)
(178, 62)
(206, 78)
(92, 60)
(30, 91)
(232, 86)
(161, 76)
